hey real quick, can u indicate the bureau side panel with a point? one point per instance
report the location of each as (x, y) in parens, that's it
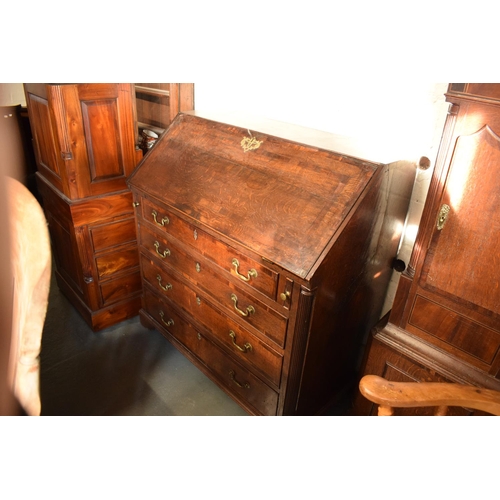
(351, 285)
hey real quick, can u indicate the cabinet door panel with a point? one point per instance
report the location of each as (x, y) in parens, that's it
(44, 139)
(99, 125)
(464, 252)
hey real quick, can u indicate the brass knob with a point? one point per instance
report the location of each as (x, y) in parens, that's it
(285, 295)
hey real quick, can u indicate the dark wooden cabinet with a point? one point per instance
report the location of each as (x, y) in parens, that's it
(85, 144)
(445, 322)
(265, 255)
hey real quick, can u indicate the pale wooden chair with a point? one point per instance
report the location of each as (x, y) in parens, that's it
(30, 257)
(389, 395)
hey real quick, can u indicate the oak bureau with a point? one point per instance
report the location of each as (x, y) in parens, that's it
(264, 257)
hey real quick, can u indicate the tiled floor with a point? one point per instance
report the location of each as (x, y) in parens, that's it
(123, 370)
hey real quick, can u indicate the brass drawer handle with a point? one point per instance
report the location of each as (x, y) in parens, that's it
(246, 348)
(249, 309)
(167, 287)
(251, 274)
(170, 322)
(164, 221)
(163, 254)
(246, 385)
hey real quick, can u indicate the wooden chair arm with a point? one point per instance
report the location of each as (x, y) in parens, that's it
(389, 394)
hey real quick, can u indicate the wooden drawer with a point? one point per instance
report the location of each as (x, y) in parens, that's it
(245, 346)
(238, 380)
(112, 234)
(231, 299)
(251, 273)
(118, 261)
(453, 332)
(120, 288)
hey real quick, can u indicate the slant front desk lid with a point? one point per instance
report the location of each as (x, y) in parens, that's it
(283, 199)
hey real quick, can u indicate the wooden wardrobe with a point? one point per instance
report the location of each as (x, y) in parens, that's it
(445, 321)
(86, 145)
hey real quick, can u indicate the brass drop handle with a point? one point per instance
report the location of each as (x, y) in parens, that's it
(164, 221)
(163, 254)
(246, 385)
(251, 274)
(247, 347)
(249, 309)
(443, 215)
(170, 322)
(167, 287)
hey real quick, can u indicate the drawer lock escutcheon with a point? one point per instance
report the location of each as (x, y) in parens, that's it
(164, 221)
(246, 385)
(251, 274)
(443, 215)
(167, 287)
(249, 310)
(246, 348)
(170, 322)
(163, 254)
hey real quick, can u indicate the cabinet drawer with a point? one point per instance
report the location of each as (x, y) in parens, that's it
(250, 272)
(228, 373)
(113, 234)
(115, 262)
(455, 333)
(120, 288)
(234, 301)
(244, 345)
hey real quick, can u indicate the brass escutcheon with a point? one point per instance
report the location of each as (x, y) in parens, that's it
(443, 215)
(250, 143)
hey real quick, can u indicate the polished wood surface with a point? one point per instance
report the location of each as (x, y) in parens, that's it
(271, 248)
(448, 299)
(84, 137)
(389, 395)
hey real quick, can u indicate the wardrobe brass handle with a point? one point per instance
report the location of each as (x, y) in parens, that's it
(251, 274)
(247, 347)
(167, 287)
(164, 221)
(249, 309)
(170, 322)
(163, 254)
(246, 385)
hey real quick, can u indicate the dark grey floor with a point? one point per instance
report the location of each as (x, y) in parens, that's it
(123, 370)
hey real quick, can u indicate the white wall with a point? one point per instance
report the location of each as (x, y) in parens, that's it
(403, 117)
(12, 94)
